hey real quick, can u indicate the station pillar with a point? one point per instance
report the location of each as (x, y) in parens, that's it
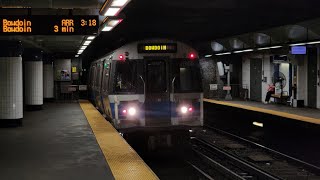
(48, 80)
(11, 85)
(33, 78)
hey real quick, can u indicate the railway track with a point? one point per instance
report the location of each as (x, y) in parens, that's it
(221, 155)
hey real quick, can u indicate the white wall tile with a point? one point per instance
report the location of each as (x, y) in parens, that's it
(11, 101)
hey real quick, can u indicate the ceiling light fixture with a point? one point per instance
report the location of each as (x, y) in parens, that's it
(112, 12)
(113, 7)
(76, 55)
(119, 3)
(83, 47)
(298, 44)
(86, 43)
(314, 42)
(109, 24)
(91, 37)
(80, 51)
(241, 51)
(220, 54)
(272, 47)
(208, 55)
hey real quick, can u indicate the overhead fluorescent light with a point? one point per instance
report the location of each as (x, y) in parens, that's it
(257, 124)
(90, 37)
(118, 3)
(114, 22)
(109, 24)
(297, 44)
(76, 55)
(113, 7)
(107, 28)
(314, 42)
(245, 50)
(86, 43)
(80, 51)
(275, 47)
(220, 54)
(112, 12)
(83, 47)
(272, 47)
(208, 55)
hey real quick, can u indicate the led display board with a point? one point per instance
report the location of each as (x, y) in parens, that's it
(298, 50)
(157, 48)
(48, 25)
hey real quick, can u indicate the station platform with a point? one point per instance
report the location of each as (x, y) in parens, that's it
(301, 114)
(68, 141)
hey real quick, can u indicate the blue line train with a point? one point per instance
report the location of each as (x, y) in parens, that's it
(150, 83)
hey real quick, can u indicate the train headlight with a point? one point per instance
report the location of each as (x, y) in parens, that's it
(184, 109)
(132, 111)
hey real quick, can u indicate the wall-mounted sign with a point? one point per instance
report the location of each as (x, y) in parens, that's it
(279, 59)
(74, 69)
(213, 87)
(299, 50)
(48, 25)
(226, 88)
(157, 48)
(83, 87)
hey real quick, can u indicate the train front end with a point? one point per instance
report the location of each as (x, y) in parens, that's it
(154, 84)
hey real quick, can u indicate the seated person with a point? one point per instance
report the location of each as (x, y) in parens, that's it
(271, 90)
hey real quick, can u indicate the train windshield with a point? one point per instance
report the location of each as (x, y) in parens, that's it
(188, 78)
(156, 76)
(125, 76)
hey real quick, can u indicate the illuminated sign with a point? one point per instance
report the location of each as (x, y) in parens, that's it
(48, 25)
(157, 48)
(298, 50)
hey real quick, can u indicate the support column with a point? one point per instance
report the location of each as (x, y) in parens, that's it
(11, 88)
(33, 76)
(48, 81)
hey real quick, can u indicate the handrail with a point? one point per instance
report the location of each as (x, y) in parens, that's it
(172, 84)
(144, 86)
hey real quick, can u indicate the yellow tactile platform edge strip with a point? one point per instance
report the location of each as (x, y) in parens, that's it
(267, 111)
(122, 159)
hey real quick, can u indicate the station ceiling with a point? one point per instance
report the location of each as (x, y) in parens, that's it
(199, 22)
(195, 22)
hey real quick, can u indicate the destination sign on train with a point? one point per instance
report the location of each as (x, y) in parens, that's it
(157, 48)
(48, 25)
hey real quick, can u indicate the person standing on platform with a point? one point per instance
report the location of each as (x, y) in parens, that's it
(271, 90)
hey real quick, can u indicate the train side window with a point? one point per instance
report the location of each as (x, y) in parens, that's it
(126, 76)
(106, 76)
(90, 76)
(98, 79)
(188, 78)
(94, 75)
(185, 79)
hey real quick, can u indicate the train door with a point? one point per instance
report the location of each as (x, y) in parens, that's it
(98, 86)
(105, 88)
(157, 102)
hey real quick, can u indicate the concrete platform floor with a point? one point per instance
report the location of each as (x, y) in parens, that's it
(307, 112)
(54, 143)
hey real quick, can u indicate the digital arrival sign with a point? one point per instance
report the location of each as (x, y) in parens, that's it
(49, 25)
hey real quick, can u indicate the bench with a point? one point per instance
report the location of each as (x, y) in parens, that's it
(283, 99)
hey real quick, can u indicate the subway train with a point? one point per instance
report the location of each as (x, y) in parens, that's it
(148, 84)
